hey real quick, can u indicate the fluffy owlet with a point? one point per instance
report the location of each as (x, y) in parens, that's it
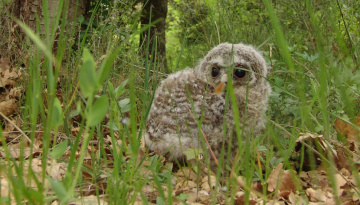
(191, 103)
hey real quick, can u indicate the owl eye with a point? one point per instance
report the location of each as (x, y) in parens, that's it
(215, 71)
(239, 74)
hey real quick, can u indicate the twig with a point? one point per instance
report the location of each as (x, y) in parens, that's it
(348, 35)
(233, 165)
(152, 71)
(207, 142)
(23, 133)
(319, 154)
(218, 33)
(72, 97)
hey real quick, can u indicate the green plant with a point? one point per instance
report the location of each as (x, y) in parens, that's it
(92, 130)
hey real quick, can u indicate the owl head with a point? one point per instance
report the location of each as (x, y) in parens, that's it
(242, 63)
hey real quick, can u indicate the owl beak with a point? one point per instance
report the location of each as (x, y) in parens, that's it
(220, 88)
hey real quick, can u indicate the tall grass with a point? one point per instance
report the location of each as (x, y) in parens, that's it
(313, 84)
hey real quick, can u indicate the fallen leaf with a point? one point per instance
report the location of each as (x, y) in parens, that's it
(296, 199)
(187, 172)
(273, 178)
(96, 200)
(19, 150)
(348, 131)
(8, 107)
(11, 74)
(240, 200)
(282, 180)
(56, 170)
(5, 187)
(207, 184)
(16, 92)
(4, 64)
(241, 182)
(317, 195)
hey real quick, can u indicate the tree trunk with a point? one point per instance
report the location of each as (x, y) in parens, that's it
(29, 9)
(154, 10)
(8, 28)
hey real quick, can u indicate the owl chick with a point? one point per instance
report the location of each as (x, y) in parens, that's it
(192, 103)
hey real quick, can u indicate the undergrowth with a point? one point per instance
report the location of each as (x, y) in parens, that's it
(97, 87)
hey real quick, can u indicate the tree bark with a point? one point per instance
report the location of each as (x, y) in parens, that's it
(8, 28)
(154, 10)
(29, 9)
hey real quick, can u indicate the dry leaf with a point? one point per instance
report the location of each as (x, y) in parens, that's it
(296, 199)
(274, 178)
(305, 136)
(355, 195)
(241, 182)
(193, 195)
(146, 189)
(7, 77)
(36, 165)
(100, 59)
(208, 185)
(315, 144)
(240, 200)
(283, 179)
(75, 130)
(5, 187)
(351, 133)
(19, 149)
(187, 172)
(56, 170)
(4, 64)
(9, 127)
(16, 92)
(288, 183)
(90, 200)
(8, 107)
(6, 82)
(316, 195)
(15, 73)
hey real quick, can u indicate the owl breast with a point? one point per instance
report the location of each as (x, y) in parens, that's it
(182, 104)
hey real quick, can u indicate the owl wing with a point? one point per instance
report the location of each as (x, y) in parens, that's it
(181, 104)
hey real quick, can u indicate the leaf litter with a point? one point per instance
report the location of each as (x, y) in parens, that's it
(189, 185)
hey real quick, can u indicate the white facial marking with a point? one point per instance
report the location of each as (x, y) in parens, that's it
(224, 78)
